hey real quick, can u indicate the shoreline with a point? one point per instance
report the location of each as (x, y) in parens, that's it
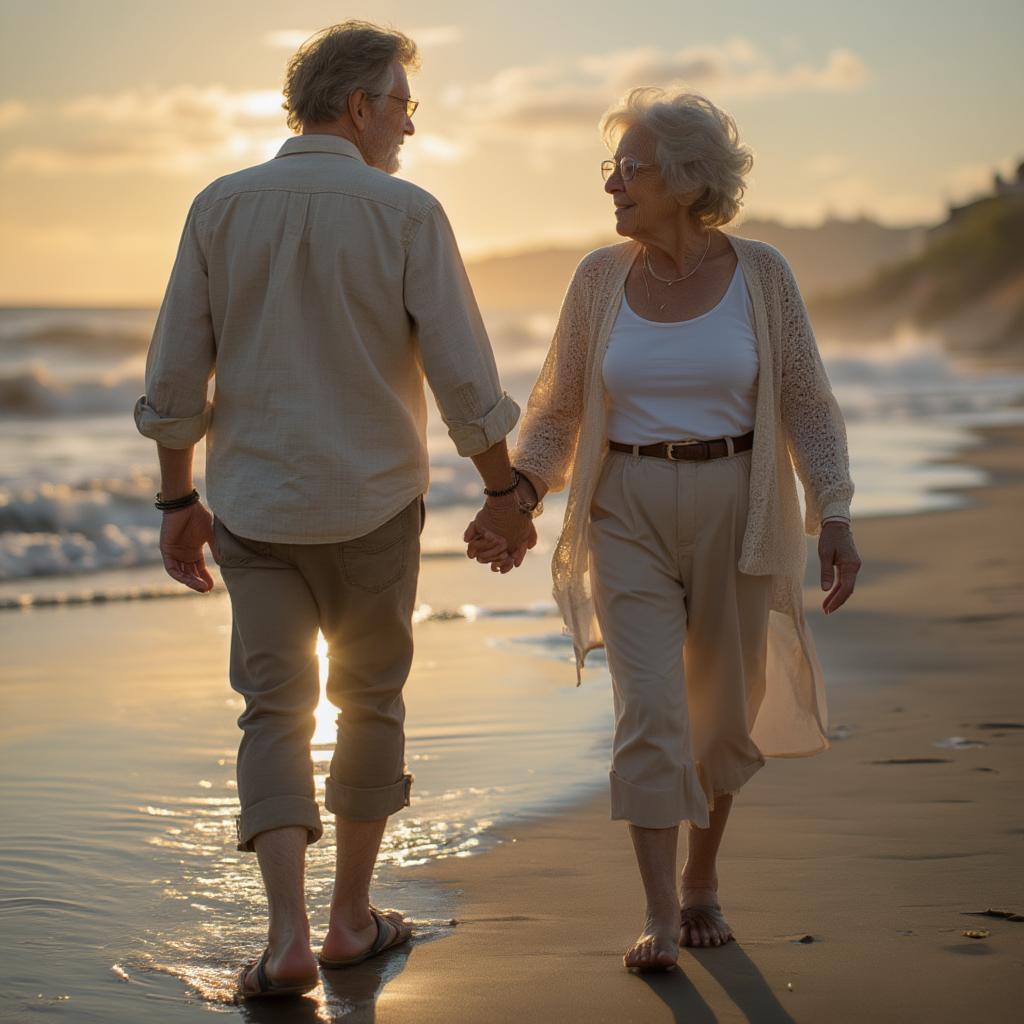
(877, 861)
(883, 855)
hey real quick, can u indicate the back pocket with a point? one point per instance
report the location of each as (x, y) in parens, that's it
(379, 559)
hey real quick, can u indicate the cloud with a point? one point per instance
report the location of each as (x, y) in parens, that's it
(735, 68)
(427, 38)
(437, 35)
(12, 112)
(173, 131)
(185, 130)
(438, 149)
(571, 95)
(186, 108)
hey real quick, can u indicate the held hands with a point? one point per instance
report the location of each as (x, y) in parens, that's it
(182, 536)
(837, 552)
(500, 534)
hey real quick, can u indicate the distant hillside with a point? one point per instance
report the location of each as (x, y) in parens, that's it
(966, 287)
(837, 254)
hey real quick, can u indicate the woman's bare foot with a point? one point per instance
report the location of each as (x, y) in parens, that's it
(657, 948)
(701, 916)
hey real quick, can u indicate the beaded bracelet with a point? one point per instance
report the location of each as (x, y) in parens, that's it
(508, 490)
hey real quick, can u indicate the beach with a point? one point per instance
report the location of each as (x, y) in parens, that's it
(849, 878)
(119, 867)
(250, 213)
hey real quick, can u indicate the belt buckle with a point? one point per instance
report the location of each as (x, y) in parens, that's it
(670, 445)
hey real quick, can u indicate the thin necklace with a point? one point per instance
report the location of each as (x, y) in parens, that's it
(649, 269)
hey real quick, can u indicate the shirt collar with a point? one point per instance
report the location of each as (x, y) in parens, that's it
(320, 144)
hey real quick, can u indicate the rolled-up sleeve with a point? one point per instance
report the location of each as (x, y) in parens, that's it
(457, 358)
(174, 411)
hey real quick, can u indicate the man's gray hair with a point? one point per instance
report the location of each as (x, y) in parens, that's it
(329, 66)
(697, 144)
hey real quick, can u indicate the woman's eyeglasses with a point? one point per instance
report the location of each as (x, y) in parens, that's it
(627, 167)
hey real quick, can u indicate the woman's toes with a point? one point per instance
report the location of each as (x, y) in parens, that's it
(664, 958)
(649, 952)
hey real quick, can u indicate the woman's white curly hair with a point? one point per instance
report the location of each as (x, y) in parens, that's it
(698, 147)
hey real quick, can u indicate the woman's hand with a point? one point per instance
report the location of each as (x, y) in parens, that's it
(500, 534)
(837, 552)
(494, 549)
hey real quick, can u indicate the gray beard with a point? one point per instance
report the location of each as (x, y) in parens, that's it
(385, 156)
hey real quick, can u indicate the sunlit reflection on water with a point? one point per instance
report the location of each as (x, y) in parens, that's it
(489, 738)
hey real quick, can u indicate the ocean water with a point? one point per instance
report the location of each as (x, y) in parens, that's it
(77, 480)
(117, 858)
(122, 896)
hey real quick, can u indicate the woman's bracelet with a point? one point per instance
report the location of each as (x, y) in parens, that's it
(529, 483)
(173, 504)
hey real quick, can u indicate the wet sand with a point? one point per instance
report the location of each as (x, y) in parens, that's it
(118, 867)
(882, 850)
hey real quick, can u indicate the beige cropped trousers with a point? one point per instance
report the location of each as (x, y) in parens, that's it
(685, 632)
(360, 594)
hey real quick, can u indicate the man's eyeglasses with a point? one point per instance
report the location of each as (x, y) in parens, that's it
(410, 104)
(627, 167)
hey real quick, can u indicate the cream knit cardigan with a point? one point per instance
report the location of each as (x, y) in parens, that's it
(797, 422)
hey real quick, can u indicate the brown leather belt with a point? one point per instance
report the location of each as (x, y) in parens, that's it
(689, 450)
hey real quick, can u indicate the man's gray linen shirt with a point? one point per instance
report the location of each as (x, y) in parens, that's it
(321, 291)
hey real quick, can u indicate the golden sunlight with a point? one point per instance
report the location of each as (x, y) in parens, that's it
(326, 712)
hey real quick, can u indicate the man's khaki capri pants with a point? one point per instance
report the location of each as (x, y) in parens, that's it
(360, 594)
(685, 633)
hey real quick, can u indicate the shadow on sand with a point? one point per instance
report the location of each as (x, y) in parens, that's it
(735, 972)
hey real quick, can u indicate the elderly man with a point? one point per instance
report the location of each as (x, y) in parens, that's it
(321, 290)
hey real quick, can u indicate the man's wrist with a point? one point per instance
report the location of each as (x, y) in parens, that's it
(500, 492)
(175, 504)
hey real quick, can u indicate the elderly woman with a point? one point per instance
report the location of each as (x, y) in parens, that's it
(682, 386)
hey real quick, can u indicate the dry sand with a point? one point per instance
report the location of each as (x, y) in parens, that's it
(880, 849)
(880, 863)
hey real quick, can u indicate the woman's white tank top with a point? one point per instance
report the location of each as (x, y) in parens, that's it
(694, 378)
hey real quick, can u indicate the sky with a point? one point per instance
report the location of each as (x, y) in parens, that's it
(114, 114)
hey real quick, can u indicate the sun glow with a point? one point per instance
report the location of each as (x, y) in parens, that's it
(326, 713)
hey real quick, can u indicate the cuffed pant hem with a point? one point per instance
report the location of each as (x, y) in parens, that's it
(647, 807)
(277, 812)
(366, 804)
